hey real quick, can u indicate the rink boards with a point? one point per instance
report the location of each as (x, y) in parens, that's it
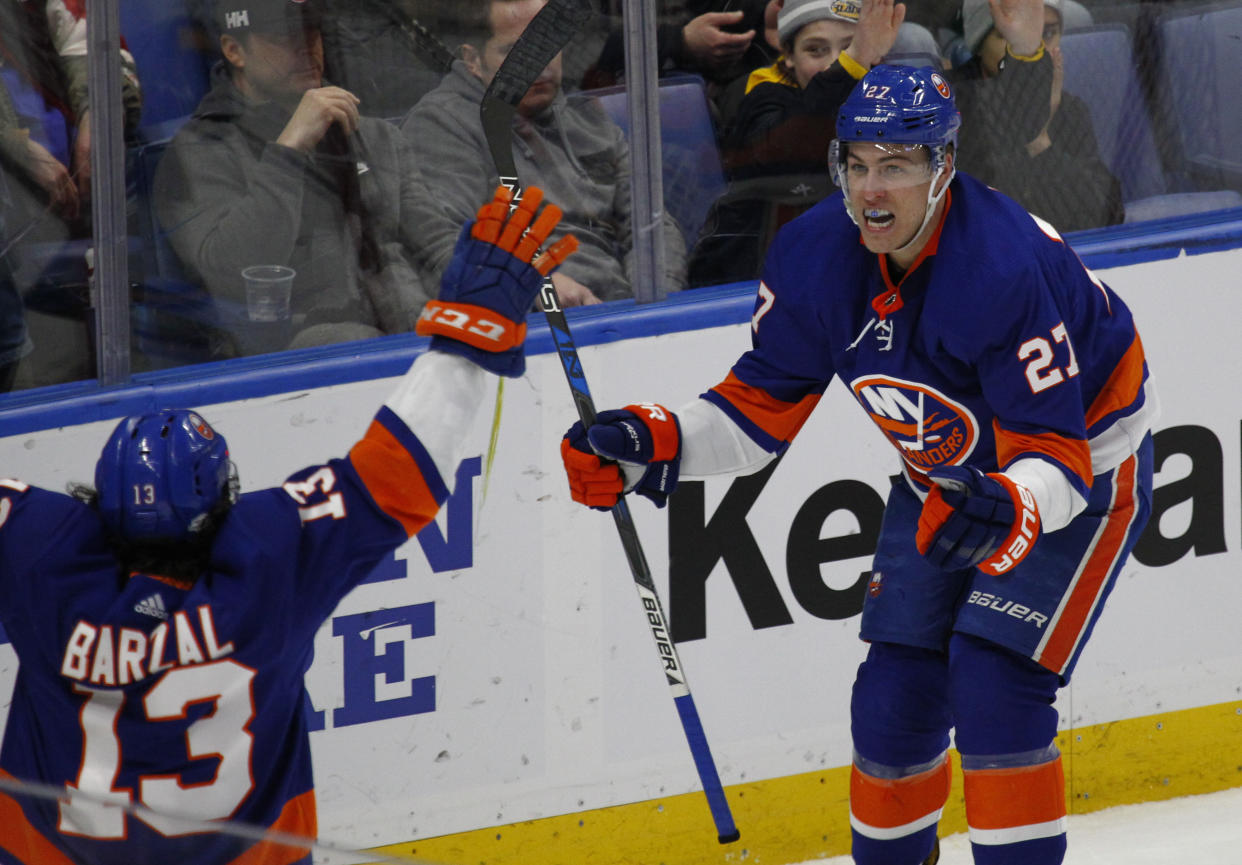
(493, 693)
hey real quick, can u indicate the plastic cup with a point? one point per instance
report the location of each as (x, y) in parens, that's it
(269, 289)
(268, 325)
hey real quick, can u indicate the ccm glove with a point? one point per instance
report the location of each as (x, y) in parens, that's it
(644, 439)
(975, 520)
(491, 284)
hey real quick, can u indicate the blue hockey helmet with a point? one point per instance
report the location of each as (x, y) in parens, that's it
(897, 105)
(160, 476)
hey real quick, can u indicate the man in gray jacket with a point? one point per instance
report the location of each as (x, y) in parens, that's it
(276, 167)
(568, 147)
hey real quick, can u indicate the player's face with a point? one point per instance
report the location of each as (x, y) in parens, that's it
(888, 188)
(816, 47)
(509, 18)
(280, 65)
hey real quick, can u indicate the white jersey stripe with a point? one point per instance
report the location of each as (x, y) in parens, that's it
(1111, 447)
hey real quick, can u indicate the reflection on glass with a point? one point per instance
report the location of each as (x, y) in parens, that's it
(568, 147)
(341, 138)
(279, 166)
(1078, 130)
(45, 192)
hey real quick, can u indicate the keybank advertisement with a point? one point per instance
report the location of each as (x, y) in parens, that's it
(501, 667)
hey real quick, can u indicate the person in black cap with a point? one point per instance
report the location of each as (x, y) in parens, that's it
(277, 166)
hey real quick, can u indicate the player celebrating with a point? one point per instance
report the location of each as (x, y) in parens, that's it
(1014, 386)
(163, 625)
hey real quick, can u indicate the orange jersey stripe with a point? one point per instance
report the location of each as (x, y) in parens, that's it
(1007, 798)
(1067, 625)
(779, 419)
(888, 803)
(393, 478)
(21, 839)
(296, 818)
(1074, 454)
(1122, 387)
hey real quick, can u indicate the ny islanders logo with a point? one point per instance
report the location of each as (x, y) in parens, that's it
(202, 427)
(928, 428)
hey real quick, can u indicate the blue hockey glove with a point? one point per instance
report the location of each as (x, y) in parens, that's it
(491, 284)
(975, 520)
(646, 437)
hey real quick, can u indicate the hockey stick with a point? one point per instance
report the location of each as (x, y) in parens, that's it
(544, 37)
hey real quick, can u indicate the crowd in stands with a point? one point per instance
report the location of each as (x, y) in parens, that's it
(342, 139)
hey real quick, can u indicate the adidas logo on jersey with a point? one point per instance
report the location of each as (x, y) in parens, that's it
(152, 606)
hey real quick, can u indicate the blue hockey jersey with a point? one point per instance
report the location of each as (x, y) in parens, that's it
(187, 699)
(998, 344)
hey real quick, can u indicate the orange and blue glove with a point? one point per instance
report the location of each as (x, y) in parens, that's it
(645, 439)
(971, 519)
(491, 283)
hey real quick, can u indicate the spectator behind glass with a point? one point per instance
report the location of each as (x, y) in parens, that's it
(278, 167)
(715, 39)
(1057, 175)
(43, 43)
(567, 147)
(787, 117)
(45, 153)
(14, 339)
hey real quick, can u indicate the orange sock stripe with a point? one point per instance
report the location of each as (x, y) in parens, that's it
(1008, 798)
(888, 803)
(296, 818)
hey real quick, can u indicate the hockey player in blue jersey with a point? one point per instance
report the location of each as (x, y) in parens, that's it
(1012, 382)
(163, 625)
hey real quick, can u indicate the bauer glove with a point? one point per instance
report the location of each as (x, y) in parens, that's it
(634, 449)
(491, 284)
(975, 520)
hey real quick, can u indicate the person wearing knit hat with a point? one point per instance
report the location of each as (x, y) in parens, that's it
(814, 34)
(778, 137)
(977, 19)
(278, 166)
(784, 121)
(1059, 174)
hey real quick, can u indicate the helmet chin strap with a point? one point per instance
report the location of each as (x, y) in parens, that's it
(933, 198)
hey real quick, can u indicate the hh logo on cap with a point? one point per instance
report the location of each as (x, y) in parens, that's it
(239, 18)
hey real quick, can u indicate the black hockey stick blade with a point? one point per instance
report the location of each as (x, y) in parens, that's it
(548, 32)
